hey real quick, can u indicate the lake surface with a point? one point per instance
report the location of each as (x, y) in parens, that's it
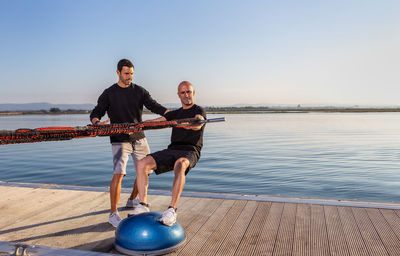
(352, 156)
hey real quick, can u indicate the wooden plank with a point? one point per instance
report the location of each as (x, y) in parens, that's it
(20, 212)
(186, 203)
(52, 225)
(284, 240)
(201, 213)
(393, 220)
(370, 236)
(35, 203)
(351, 232)
(17, 202)
(336, 237)
(89, 232)
(388, 237)
(215, 240)
(301, 240)
(13, 193)
(248, 243)
(185, 207)
(194, 245)
(188, 215)
(319, 237)
(235, 235)
(16, 198)
(267, 238)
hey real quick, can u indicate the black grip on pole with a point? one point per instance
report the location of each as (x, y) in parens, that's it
(213, 120)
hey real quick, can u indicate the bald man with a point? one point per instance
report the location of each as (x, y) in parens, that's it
(181, 155)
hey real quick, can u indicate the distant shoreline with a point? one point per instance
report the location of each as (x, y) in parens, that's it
(223, 110)
(299, 110)
(43, 112)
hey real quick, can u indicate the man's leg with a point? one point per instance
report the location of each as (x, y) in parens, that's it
(142, 180)
(121, 152)
(141, 150)
(115, 191)
(169, 216)
(134, 191)
(179, 180)
(142, 177)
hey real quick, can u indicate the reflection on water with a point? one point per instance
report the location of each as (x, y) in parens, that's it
(326, 155)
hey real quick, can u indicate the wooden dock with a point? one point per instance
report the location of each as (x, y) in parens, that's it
(76, 218)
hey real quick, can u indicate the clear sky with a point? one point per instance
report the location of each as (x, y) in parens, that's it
(342, 52)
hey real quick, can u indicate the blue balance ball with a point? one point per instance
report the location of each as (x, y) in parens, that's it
(144, 234)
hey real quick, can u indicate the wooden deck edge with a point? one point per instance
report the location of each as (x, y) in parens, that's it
(264, 198)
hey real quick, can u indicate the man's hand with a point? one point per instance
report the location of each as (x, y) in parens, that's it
(96, 121)
(200, 117)
(195, 127)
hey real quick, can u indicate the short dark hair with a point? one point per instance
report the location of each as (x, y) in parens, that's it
(124, 63)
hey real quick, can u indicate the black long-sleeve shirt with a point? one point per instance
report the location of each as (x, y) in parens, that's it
(125, 105)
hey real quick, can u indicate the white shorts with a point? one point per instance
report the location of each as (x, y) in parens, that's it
(121, 151)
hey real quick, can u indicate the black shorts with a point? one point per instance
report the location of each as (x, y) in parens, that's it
(165, 159)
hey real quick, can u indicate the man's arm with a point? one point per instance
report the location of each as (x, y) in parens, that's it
(100, 109)
(159, 119)
(152, 104)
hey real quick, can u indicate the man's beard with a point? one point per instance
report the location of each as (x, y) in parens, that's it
(127, 82)
(188, 103)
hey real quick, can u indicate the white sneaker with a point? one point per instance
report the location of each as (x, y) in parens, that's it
(140, 208)
(114, 219)
(168, 217)
(132, 203)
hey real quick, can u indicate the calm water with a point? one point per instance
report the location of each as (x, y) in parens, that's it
(320, 155)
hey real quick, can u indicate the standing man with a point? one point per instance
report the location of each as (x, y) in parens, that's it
(181, 155)
(123, 102)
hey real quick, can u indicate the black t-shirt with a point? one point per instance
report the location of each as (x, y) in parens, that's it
(125, 105)
(182, 139)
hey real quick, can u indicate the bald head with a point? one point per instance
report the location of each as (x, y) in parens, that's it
(185, 83)
(186, 94)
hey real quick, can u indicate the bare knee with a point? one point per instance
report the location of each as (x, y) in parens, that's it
(145, 164)
(181, 165)
(116, 180)
(117, 177)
